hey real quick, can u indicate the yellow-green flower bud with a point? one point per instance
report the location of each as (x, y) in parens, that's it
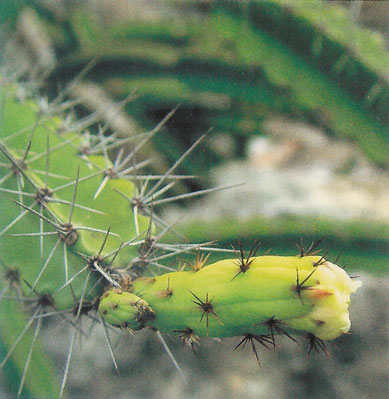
(124, 309)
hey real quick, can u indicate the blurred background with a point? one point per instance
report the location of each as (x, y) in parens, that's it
(295, 97)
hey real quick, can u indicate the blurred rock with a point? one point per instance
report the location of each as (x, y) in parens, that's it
(296, 170)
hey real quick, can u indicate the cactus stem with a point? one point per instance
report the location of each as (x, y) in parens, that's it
(4, 291)
(73, 182)
(19, 338)
(6, 176)
(207, 309)
(30, 209)
(69, 281)
(55, 246)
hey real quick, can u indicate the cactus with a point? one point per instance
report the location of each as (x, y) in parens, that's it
(79, 235)
(79, 238)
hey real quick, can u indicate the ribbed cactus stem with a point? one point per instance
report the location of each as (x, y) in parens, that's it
(63, 201)
(260, 296)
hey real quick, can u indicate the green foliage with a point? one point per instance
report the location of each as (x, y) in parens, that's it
(9, 11)
(236, 65)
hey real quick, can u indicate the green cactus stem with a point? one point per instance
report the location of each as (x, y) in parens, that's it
(256, 296)
(61, 198)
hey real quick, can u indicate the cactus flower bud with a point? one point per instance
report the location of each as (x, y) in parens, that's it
(123, 309)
